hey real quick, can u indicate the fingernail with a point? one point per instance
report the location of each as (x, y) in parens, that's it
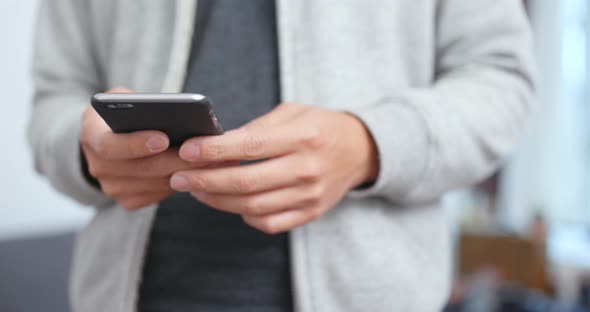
(156, 143)
(179, 183)
(190, 152)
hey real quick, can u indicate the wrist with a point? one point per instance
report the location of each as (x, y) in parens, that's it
(365, 149)
(85, 172)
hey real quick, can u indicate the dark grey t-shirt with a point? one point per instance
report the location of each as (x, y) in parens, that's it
(198, 258)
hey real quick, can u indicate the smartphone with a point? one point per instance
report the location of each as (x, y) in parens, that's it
(180, 115)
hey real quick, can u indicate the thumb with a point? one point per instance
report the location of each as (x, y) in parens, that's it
(119, 89)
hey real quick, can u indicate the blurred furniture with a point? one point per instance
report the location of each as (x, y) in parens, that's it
(34, 274)
(513, 258)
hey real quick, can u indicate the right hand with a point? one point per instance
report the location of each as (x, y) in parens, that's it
(132, 168)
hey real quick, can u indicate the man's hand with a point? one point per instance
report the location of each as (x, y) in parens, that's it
(311, 158)
(134, 168)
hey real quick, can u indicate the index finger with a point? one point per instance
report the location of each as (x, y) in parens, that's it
(246, 144)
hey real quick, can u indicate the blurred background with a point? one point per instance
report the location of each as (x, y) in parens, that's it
(522, 238)
(35, 222)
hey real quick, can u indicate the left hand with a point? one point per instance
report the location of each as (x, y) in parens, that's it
(311, 157)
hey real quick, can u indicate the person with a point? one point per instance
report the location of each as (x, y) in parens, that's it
(348, 122)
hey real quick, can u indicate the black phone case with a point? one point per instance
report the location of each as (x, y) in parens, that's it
(181, 116)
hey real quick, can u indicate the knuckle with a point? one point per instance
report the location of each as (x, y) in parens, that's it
(212, 151)
(146, 165)
(315, 195)
(252, 207)
(312, 171)
(96, 169)
(198, 182)
(102, 150)
(311, 138)
(253, 146)
(245, 183)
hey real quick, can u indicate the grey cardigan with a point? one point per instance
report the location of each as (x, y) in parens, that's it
(443, 86)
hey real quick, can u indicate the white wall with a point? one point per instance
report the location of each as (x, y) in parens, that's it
(28, 205)
(549, 169)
